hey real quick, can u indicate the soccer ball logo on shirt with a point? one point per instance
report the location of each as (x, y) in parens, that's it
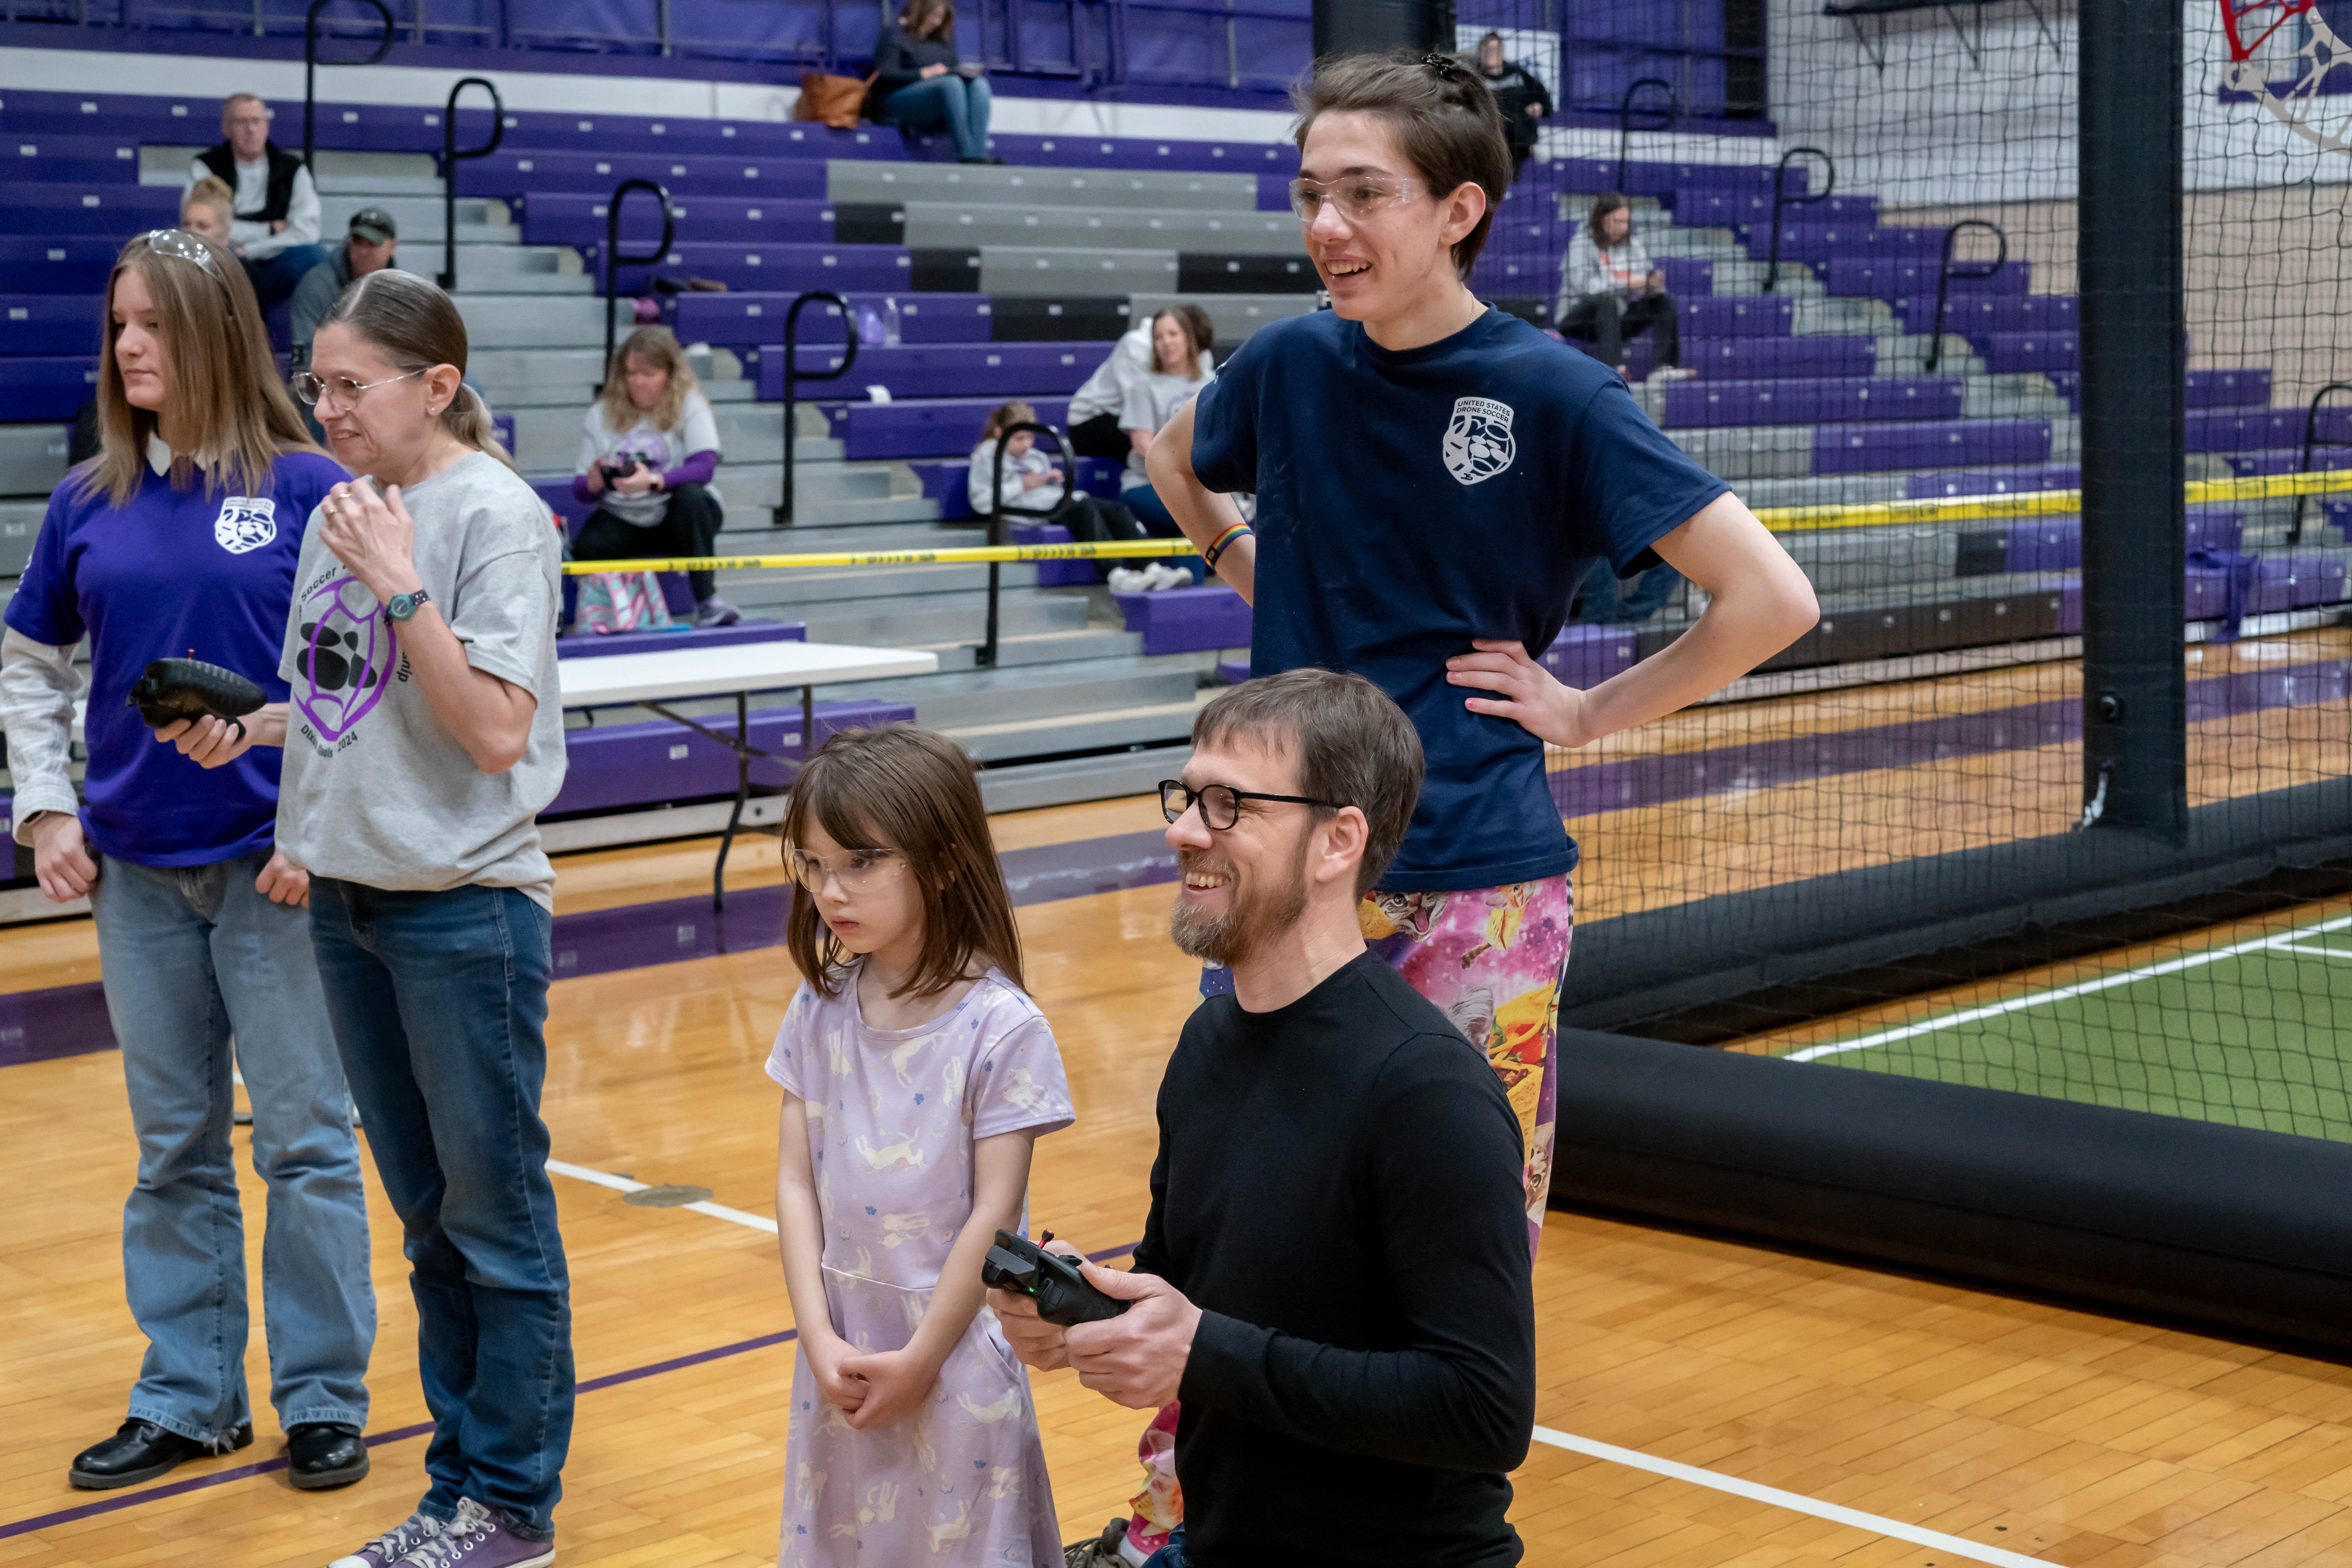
(1478, 444)
(246, 523)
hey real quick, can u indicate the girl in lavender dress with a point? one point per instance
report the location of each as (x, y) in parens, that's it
(916, 1073)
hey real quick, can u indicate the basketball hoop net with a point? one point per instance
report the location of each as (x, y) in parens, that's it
(2322, 118)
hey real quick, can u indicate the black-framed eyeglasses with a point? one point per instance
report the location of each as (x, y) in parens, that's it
(1221, 804)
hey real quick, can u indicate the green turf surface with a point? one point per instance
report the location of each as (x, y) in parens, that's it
(2256, 1032)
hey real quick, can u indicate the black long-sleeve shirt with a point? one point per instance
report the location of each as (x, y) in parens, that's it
(1339, 1189)
(899, 59)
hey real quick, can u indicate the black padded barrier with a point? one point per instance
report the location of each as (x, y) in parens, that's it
(2160, 1215)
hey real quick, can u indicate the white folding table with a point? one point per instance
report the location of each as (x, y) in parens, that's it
(649, 680)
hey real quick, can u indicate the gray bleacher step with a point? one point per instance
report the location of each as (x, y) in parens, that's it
(478, 263)
(928, 619)
(1844, 318)
(1061, 271)
(867, 485)
(472, 283)
(522, 378)
(1027, 786)
(19, 521)
(804, 588)
(961, 226)
(1070, 646)
(1906, 353)
(1828, 489)
(1887, 558)
(2013, 395)
(1027, 693)
(1234, 315)
(1150, 726)
(755, 513)
(875, 182)
(823, 527)
(538, 323)
(32, 459)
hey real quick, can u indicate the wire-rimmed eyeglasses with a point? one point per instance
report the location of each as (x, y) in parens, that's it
(310, 389)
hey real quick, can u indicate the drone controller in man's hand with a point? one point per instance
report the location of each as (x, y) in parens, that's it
(1050, 1279)
(175, 688)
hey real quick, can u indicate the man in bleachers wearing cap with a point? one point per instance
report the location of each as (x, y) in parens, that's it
(276, 227)
(368, 247)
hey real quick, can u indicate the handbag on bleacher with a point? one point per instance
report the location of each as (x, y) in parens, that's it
(836, 100)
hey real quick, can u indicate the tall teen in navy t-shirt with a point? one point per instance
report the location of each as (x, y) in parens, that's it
(179, 538)
(1428, 472)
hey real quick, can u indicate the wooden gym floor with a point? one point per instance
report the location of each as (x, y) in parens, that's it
(2021, 1428)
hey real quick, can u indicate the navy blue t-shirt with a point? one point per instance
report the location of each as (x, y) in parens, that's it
(171, 574)
(1409, 502)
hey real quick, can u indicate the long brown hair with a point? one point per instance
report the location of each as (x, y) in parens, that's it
(656, 346)
(1199, 336)
(897, 788)
(1014, 413)
(1602, 206)
(1445, 119)
(927, 18)
(223, 382)
(416, 327)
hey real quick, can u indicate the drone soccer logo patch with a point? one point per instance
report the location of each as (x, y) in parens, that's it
(246, 523)
(1478, 444)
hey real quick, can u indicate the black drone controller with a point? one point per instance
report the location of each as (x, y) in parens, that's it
(615, 472)
(174, 689)
(1064, 1298)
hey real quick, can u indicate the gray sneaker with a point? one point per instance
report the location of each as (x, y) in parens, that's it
(394, 1544)
(715, 612)
(480, 1538)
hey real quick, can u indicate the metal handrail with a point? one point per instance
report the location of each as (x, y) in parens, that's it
(311, 68)
(1781, 198)
(450, 157)
(1625, 120)
(793, 376)
(613, 260)
(2310, 440)
(1947, 271)
(985, 656)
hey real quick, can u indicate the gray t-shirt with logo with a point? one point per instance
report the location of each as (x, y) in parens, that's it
(375, 790)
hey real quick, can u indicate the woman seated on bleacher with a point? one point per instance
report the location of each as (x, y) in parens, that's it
(921, 84)
(1179, 370)
(1099, 400)
(1610, 291)
(1033, 486)
(647, 454)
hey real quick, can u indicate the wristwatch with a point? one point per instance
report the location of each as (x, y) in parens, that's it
(401, 607)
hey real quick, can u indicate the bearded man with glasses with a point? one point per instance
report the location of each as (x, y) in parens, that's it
(1334, 1276)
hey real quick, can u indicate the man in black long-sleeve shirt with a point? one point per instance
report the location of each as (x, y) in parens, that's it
(1334, 1276)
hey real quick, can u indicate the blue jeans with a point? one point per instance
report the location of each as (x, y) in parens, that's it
(1171, 1555)
(1151, 511)
(275, 276)
(1608, 602)
(440, 1007)
(957, 103)
(197, 964)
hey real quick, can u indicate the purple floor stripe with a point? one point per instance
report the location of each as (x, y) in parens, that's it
(403, 1434)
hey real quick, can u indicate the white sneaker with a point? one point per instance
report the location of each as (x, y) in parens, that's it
(1166, 575)
(394, 1544)
(1131, 580)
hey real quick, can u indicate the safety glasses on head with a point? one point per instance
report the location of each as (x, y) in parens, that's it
(182, 246)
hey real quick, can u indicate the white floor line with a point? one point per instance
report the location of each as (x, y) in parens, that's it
(2037, 998)
(623, 1185)
(1794, 1502)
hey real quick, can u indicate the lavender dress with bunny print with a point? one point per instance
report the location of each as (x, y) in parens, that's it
(891, 1118)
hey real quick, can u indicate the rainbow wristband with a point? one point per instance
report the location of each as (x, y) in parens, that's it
(1221, 543)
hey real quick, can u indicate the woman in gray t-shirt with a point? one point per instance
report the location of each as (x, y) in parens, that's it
(423, 734)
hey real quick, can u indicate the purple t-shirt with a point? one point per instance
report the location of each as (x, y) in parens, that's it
(171, 576)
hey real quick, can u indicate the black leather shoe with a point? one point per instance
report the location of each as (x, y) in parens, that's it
(141, 1450)
(324, 1454)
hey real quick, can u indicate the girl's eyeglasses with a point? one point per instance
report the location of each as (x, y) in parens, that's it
(857, 870)
(342, 388)
(179, 243)
(1360, 200)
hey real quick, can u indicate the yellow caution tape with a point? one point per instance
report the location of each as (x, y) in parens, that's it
(977, 555)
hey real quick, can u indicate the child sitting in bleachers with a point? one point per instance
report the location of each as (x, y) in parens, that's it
(1033, 486)
(208, 210)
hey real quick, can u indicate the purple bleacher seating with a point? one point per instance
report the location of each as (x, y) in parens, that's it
(554, 131)
(1585, 655)
(1881, 278)
(947, 480)
(2295, 582)
(2045, 544)
(34, 155)
(2008, 353)
(788, 268)
(615, 766)
(45, 387)
(1811, 401)
(2288, 461)
(1052, 573)
(744, 320)
(2245, 430)
(1928, 443)
(1757, 359)
(564, 217)
(1995, 483)
(2215, 528)
(931, 428)
(554, 492)
(1687, 276)
(1068, 152)
(1187, 620)
(947, 370)
(41, 265)
(1826, 239)
(1971, 315)
(2248, 388)
(50, 323)
(1737, 316)
(508, 172)
(114, 212)
(590, 645)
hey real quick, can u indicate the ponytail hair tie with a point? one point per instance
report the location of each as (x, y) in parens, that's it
(1446, 67)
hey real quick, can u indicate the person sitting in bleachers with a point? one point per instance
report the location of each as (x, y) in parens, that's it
(1096, 406)
(647, 455)
(921, 84)
(1521, 96)
(1179, 370)
(274, 226)
(1034, 487)
(208, 209)
(369, 246)
(1610, 291)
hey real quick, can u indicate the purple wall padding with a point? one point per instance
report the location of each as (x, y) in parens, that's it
(1187, 620)
(615, 766)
